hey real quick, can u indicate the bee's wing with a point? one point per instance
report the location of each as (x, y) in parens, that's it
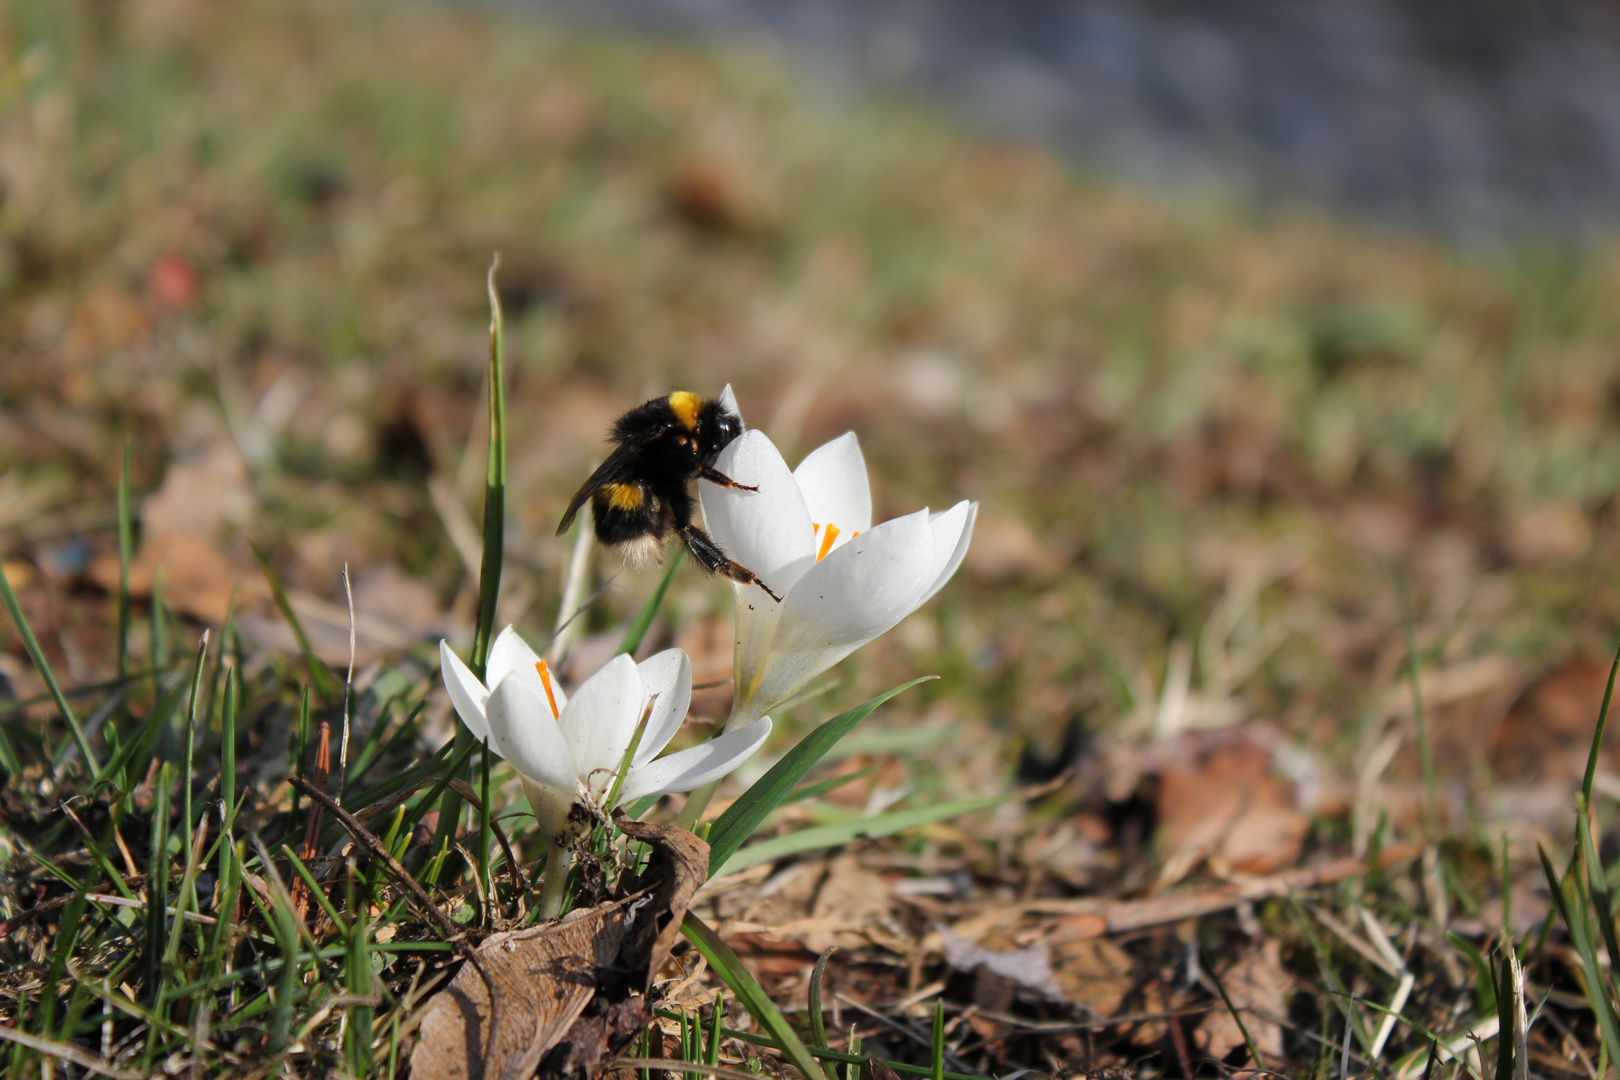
(606, 473)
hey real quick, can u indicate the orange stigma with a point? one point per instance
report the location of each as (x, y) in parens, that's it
(545, 680)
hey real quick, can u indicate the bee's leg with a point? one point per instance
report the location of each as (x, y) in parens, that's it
(712, 559)
(715, 476)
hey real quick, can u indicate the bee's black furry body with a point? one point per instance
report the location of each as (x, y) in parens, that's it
(640, 494)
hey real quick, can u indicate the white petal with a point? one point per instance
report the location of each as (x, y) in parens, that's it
(551, 806)
(767, 531)
(669, 675)
(510, 655)
(601, 719)
(522, 731)
(467, 694)
(836, 491)
(841, 603)
(953, 531)
(728, 402)
(700, 765)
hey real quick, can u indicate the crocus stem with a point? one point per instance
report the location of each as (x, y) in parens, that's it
(558, 860)
(696, 803)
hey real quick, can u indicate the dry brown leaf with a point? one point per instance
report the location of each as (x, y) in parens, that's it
(849, 895)
(198, 577)
(199, 495)
(880, 1070)
(678, 868)
(406, 604)
(1259, 989)
(180, 524)
(545, 976)
(578, 984)
(1220, 798)
(1548, 731)
(1093, 972)
(1549, 532)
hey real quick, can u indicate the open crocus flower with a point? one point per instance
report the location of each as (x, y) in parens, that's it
(569, 751)
(808, 534)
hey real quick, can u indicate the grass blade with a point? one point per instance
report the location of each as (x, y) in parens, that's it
(140, 744)
(1255, 1059)
(818, 1024)
(842, 832)
(319, 674)
(126, 552)
(753, 997)
(191, 743)
(9, 762)
(711, 1052)
(939, 1039)
(1597, 734)
(489, 570)
(745, 815)
(1431, 789)
(1504, 1016)
(1592, 864)
(157, 884)
(37, 656)
(158, 619)
(357, 976)
(649, 611)
(833, 1056)
(227, 744)
(1572, 908)
(811, 791)
(1484, 983)
(400, 781)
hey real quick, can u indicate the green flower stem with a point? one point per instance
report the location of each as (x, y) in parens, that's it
(696, 803)
(558, 859)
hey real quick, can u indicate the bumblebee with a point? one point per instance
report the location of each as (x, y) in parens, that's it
(639, 495)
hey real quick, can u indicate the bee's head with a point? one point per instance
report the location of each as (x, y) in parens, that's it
(716, 428)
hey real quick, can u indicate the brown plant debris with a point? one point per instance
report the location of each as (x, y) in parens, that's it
(572, 991)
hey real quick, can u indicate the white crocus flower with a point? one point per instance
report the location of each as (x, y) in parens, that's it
(568, 751)
(808, 534)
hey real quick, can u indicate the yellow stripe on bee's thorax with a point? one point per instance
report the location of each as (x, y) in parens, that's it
(623, 496)
(684, 404)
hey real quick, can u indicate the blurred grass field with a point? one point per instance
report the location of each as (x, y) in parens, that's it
(1215, 442)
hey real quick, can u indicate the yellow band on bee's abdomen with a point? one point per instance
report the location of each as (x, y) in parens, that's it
(623, 496)
(684, 404)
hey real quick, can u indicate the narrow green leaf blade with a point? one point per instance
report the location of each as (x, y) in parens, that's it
(753, 997)
(326, 683)
(824, 836)
(126, 553)
(1504, 1015)
(489, 570)
(37, 655)
(1597, 734)
(745, 815)
(637, 632)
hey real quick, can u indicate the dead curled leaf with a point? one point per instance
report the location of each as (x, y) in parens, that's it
(545, 976)
(570, 991)
(678, 868)
(1258, 988)
(1220, 797)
